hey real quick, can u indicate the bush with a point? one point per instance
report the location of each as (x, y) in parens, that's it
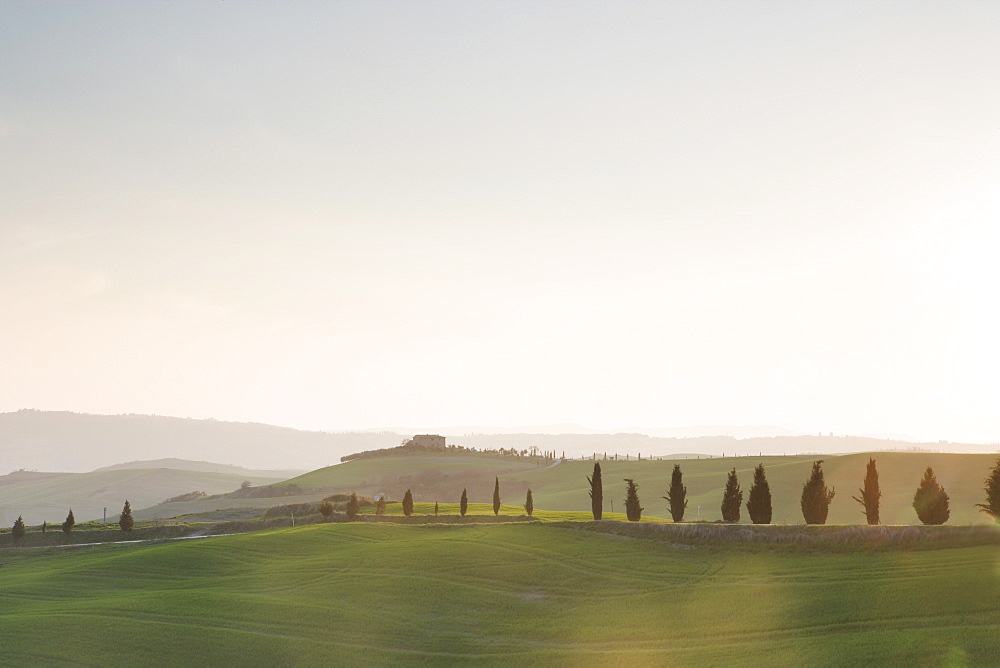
(931, 501)
(326, 510)
(992, 489)
(596, 493)
(816, 497)
(870, 494)
(759, 503)
(632, 508)
(732, 499)
(353, 506)
(380, 507)
(125, 521)
(677, 495)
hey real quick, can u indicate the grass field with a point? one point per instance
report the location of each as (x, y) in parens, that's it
(365, 593)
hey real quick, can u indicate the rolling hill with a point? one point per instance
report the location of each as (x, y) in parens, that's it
(493, 594)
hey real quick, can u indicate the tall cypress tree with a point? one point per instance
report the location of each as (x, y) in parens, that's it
(353, 506)
(677, 495)
(632, 508)
(529, 504)
(125, 521)
(18, 530)
(496, 498)
(931, 501)
(732, 499)
(380, 507)
(408, 503)
(816, 497)
(596, 493)
(759, 502)
(463, 504)
(870, 494)
(992, 489)
(67, 526)
(435, 507)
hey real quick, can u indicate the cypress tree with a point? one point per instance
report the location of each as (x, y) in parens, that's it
(408, 503)
(815, 496)
(496, 498)
(632, 508)
(732, 499)
(596, 493)
(759, 503)
(529, 505)
(870, 494)
(45, 525)
(463, 504)
(677, 495)
(326, 509)
(67, 526)
(992, 489)
(125, 521)
(931, 501)
(380, 507)
(435, 507)
(353, 506)
(18, 530)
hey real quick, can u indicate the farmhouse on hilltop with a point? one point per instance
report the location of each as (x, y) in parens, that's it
(428, 442)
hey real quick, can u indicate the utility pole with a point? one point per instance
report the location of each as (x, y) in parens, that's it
(105, 514)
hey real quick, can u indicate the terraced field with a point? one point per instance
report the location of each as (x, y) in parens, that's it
(382, 594)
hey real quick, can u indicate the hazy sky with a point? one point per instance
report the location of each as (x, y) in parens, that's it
(340, 215)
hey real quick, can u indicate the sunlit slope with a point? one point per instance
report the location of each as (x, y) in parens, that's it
(49, 498)
(564, 486)
(367, 594)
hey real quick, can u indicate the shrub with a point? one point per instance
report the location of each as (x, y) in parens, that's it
(326, 510)
(529, 504)
(18, 530)
(759, 503)
(992, 489)
(732, 499)
(67, 526)
(596, 493)
(380, 507)
(125, 520)
(816, 497)
(632, 508)
(408, 503)
(353, 506)
(870, 494)
(931, 501)
(496, 497)
(677, 495)
(463, 504)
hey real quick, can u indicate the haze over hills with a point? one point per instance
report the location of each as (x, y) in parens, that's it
(75, 442)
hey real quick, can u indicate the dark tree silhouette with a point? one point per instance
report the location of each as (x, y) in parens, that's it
(408, 503)
(496, 498)
(632, 508)
(18, 530)
(326, 510)
(732, 499)
(125, 521)
(353, 506)
(380, 507)
(992, 489)
(816, 497)
(870, 494)
(45, 526)
(677, 495)
(931, 501)
(435, 507)
(529, 504)
(759, 503)
(463, 505)
(67, 526)
(596, 493)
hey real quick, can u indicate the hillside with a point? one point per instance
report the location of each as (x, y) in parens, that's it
(502, 594)
(48, 496)
(563, 486)
(205, 467)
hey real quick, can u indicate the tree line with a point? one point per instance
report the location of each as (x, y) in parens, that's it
(125, 522)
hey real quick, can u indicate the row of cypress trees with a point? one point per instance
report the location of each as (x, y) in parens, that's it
(930, 500)
(125, 522)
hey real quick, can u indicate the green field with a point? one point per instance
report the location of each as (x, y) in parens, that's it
(366, 593)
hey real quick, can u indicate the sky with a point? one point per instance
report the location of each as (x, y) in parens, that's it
(354, 215)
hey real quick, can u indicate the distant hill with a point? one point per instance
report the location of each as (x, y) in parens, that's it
(49, 496)
(63, 441)
(205, 467)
